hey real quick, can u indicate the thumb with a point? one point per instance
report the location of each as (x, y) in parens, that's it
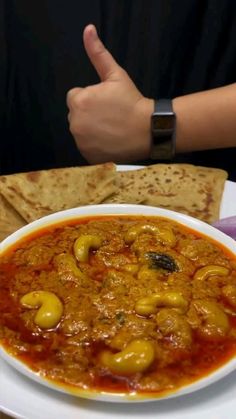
(99, 56)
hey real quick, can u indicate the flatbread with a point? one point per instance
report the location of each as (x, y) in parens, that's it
(39, 193)
(10, 219)
(193, 190)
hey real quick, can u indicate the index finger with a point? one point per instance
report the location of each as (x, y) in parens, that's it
(71, 95)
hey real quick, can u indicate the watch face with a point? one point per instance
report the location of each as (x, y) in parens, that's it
(163, 124)
(163, 136)
(163, 130)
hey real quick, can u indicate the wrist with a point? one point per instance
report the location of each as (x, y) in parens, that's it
(145, 108)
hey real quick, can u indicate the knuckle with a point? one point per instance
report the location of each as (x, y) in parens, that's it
(121, 73)
(80, 99)
(83, 101)
(71, 97)
(76, 101)
(74, 127)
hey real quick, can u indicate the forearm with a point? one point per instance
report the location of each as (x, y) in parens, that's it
(206, 120)
(121, 115)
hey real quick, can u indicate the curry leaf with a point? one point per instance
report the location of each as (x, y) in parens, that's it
(161, 260)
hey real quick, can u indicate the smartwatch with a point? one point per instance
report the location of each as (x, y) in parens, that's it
(163, 123)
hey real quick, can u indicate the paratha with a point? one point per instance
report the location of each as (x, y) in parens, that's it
(39, 193)
(193, 190)
(10, 219)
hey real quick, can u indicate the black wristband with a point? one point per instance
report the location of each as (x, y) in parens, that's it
(163, 123)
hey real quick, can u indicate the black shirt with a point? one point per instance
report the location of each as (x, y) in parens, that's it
(168, 47)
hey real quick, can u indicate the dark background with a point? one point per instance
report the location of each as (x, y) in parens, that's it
(168, 47)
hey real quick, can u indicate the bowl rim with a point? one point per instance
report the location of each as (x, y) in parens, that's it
(117, 209)
(109, 210)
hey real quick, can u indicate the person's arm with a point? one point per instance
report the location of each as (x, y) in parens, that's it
(206, 120)
(111, 120)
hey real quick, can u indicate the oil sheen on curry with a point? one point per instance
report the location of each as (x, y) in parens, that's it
(119, 304)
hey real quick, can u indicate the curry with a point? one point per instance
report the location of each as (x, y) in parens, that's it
(119, 304)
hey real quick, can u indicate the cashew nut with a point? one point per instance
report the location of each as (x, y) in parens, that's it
(148, 305)
(165, 235)
(136, 357)
(50, 308)
(66, 263)
(83, 244)
(229, 292)
(206, 271)
(214, 322)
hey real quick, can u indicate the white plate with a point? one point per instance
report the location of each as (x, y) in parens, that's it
(23, 398)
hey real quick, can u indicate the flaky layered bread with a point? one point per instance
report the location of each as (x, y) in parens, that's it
(10, 219)
(192, 190)
(39, 193)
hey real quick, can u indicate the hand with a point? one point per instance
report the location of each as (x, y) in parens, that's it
(110, 120)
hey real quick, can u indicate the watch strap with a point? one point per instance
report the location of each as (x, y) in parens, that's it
(163, 106)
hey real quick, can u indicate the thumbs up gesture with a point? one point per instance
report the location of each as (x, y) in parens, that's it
(109, 120)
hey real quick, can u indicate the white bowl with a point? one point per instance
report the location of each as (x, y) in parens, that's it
(109, 209)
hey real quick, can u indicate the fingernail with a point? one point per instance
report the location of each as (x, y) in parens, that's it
(92, 32)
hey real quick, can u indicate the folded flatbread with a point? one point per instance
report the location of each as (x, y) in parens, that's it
(39, 193)
(10, 219)
(193, 190)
